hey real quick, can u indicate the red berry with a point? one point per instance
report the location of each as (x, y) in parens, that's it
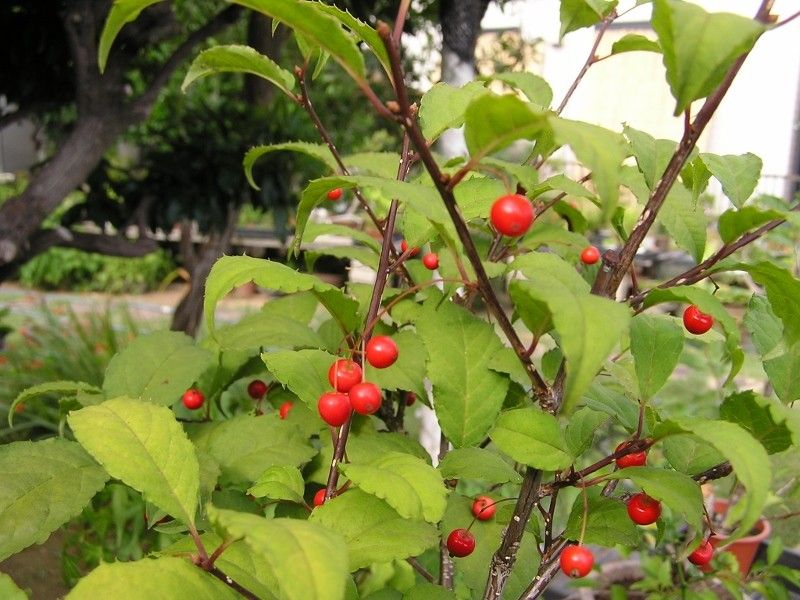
(335, 194)
(643, 510)
(404, 247)
(590, 255)
(431, 261)
(284, 409)
(365, 398)
(483, 508)
(460, 543)
(411, 397)
(319, 497)
(512, 215)
(634, 459)
(257, 389)
(344, 374)
(703, 554)
(577, 561)
(334, 408)
(695, 321)
(193, 399)
(381, 351)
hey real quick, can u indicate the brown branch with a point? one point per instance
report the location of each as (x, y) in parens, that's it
(716, 472)
(420, 569)
(89, 242)
(243, 591)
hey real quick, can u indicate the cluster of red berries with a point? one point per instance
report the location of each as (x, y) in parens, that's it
(461, 542)
(351, 392)
(430, 260)
(256, 389)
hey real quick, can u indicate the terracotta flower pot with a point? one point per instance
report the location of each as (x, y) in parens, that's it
(744, 549)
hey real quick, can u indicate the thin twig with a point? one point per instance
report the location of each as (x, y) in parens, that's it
(243, 591)
(420, 569)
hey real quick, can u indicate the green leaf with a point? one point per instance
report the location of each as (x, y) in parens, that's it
(734, 223)
(166, 577)
(532, 437)
(581, 428)
(600, 150)
(238, 59)
(608, 523)
(678, 491)
(685, 221)
(656, 346)
(764, 419)
(613, 403)
(534, 87)
(9, 589)
(59, 388)
(784, 374)
(410, 485)
(443, 107)
(157, 367)
(493, 122)
(633, 42)
(232, 271)
(475, 196)
(695, 176)
(42, 486)
(652, 155)
(429, 591)
(304, 372)
(262, 330)
(280, 482)
(379, 164)
(408, 371)
(524, 174)
(122, 12)
(709, 304)
(373, 530)
(307, 560)
(739, 175)
(562, 183)
(783, 292)
(477, 463)
(322, 30)
(765, 329)
(246, 446)
(577, 14)
(145, 447)
(364, 32)
(467, 393)
(315, 230)
(319, 152)
(699, 47)
(689, 454)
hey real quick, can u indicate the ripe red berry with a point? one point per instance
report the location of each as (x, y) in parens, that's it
(381, 351)
(193, 399)
(335, 194)
(431, 261)
(257, 389)
(365, 398)
(411, 397)
(460, 543)
(483, 508)
(643, 510)
(590, 255)
(284, 409)
(334, 408)
(344, 374)
(576, 561)
(319, 497)
(512, 215)
(703, 554)
(634, 459)
(404, 248)
(695, 321)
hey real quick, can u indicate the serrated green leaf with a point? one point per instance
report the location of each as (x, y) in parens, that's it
(633, 42)
(783, 292)
(408, 371)
(689, 454)
(236, 58)
(443, 106)
(475, 196)
(122, 12)
(165, 577)
(379, 164)
(9, 589)
(246, 446)
(304, 372)
(157, 367)
(739, 175)
(477, 463)
(534, 87)
(699, 47)
(232, 271)
(467, 393)
(608, 523)
(784, 374)
(493, 122)
(695, 176)
(613, 403)
(532, 437)
(373, 530)
(318, 152)
(324, 31)
(581, 428)
(652, 155)
(429, 591)
(685, 221)
(734, 223)
(656, 346)
(763, 419)
(527, 176)
(280, 482)
(562, 183)
(42, 486)
(145, 447)
(262, 330)
(577, 14)
(61, 388)
(410, 485)
(765, 329)
(678, 491)
(364, 32)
